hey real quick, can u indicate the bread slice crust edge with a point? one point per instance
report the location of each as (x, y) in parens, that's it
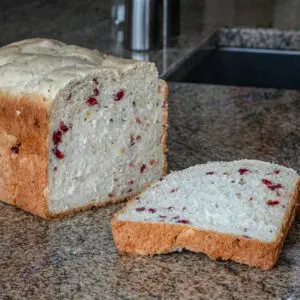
(157, 238)
(24, 126)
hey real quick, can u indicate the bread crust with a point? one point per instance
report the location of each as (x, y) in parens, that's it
(24, 151)
(156, 238)
(24, 176)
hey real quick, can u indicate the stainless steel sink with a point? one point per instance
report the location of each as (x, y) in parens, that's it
(242, 67)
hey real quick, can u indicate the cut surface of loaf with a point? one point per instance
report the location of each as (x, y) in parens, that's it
(78, 128)
(238, 210)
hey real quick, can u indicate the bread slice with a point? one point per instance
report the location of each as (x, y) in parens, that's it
(78, 128)
(239, 210)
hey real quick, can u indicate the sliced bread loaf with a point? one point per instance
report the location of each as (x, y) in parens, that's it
(78, 128)
(238, 210)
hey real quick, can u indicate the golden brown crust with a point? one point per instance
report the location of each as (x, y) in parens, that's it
(24, 151)
(155, 238)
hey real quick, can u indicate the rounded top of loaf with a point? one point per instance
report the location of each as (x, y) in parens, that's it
(46, 66)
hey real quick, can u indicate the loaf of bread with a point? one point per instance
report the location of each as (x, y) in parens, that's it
(78, 128)
(238, 210)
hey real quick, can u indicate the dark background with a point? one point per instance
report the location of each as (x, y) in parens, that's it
(82, 22)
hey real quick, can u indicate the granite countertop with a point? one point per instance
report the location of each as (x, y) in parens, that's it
(75, 258)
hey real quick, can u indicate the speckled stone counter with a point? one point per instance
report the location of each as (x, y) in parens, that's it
(75, 258)
(263, 38)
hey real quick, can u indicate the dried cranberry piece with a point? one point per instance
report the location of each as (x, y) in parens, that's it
(152, 210)
(91, 101)
(244, 171)
(210, 173)
(270, 184)
(276, 171)
(183, 221)
(266, 181)
(16, 148)
(143, 168)
(57, 137)
(130, 181)
(275, 186)
(138, 138)
(119, 95)
(140, 209)
(59, 154)
(64, 128)
(273, 202)
(174, 190)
